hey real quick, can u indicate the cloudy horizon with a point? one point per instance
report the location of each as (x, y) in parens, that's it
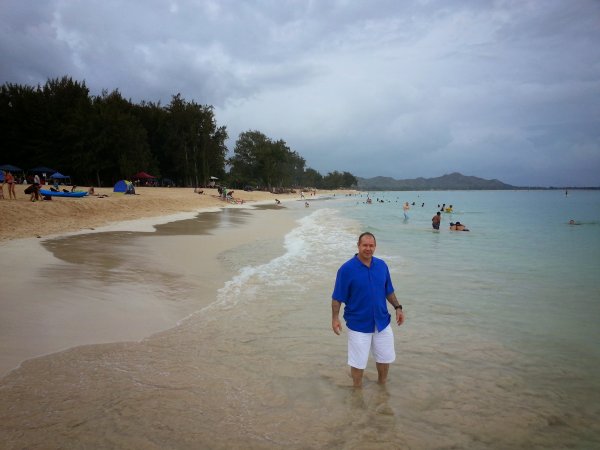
(495, 89)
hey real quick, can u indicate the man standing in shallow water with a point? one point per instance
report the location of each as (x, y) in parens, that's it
(436, 220)
(363, 284)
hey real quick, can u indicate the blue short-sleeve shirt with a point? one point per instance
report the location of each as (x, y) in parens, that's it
(363, 290)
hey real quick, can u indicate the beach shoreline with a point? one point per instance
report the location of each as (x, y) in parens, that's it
(51, 303)
(22, 218)
(76, 289)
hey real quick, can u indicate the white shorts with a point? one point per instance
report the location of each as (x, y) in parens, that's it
(380, 343)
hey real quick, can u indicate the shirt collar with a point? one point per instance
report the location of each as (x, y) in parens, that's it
(360, 263)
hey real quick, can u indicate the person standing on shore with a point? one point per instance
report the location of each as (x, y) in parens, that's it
(10, 180)
(363, 284)
(35, 193)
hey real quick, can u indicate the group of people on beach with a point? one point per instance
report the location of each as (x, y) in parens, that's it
(34, 189)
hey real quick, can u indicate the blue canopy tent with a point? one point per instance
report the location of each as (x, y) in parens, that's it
(60, 177)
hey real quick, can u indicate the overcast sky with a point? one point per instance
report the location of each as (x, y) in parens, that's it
(405, 89)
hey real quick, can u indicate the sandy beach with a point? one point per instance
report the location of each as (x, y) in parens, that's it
(23, 218)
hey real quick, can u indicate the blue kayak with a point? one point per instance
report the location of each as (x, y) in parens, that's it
(63, 194)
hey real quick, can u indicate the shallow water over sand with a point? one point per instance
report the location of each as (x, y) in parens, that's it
(116, 286)
(257, 366)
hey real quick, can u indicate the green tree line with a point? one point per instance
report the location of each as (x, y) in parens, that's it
(98, 140)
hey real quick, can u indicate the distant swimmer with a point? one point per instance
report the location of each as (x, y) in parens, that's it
(306, 205)
(572, 222)
(449, 209)
(405, 208)
(458, 227)
(435, 220)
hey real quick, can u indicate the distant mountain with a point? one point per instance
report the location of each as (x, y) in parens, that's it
(453, 181)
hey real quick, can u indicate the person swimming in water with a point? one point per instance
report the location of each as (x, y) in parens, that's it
(458, 227)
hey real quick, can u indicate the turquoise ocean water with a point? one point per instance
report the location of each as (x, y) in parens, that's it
(500, 348)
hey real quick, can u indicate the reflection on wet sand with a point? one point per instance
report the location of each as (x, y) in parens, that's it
(120, 285)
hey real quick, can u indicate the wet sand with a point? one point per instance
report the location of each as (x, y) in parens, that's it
(45, 299)
(111, 286)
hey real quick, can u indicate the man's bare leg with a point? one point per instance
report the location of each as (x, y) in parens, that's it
(357, 376)
(382, 372)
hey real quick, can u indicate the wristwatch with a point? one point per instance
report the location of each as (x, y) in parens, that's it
(398, 307)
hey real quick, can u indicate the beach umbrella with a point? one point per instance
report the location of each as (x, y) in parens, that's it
(11, 168)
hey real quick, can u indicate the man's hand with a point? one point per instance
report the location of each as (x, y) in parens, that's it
(336, 325)
(399, 316)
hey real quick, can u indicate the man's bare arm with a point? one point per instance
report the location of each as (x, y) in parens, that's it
(336, 325)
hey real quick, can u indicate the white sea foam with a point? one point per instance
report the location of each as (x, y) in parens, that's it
(311, 246)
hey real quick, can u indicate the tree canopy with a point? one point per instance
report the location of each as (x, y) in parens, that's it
(101, 139)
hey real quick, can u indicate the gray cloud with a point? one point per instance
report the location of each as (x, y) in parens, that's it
(505, 89)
